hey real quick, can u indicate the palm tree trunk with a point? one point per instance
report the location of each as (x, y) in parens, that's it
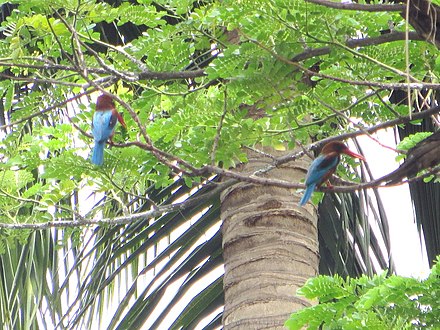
(270, 248)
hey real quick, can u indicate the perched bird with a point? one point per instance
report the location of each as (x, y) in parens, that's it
(424, 154)
(103, 125)
(324, 166)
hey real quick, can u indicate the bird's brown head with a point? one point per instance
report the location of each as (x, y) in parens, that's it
(104, 102)
(337, 147)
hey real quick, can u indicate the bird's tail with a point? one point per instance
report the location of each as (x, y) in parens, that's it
(307, 194)
(98, 153)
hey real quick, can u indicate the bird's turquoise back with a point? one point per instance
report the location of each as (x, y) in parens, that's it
(103, 125)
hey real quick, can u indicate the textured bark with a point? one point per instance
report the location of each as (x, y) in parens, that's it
(270, 249)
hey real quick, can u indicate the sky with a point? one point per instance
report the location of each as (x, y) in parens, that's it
(409, 256)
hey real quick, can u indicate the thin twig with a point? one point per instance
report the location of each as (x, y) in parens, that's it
(359, 127)
(48, 109)
(311, 73)
(219, 127)
(41, 204)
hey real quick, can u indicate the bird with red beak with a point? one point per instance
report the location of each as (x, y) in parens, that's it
(324, 166)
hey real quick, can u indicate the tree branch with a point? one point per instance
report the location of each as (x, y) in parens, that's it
(357, 6)
(255, 178)
(353, 43)
(48, 109)
(157, 212)
(369, 130)
(234, 178)
(311, 73)
(178, 207)
(135, 76)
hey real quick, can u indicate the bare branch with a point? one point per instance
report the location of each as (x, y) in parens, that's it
(150, 75)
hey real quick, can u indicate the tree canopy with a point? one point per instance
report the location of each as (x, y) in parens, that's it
(199, 83)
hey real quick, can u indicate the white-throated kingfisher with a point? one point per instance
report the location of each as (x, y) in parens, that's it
(103, 125)
(324, 166)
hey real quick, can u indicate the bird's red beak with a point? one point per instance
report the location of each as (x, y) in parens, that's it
(353, 154)
(120, 119)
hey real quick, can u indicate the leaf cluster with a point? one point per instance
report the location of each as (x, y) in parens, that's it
(378, 302)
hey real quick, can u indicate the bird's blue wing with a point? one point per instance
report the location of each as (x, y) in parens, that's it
(317, 172)
(319, 168)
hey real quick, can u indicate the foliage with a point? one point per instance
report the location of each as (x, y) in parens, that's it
(410, 142)
(181, 121)
(378, 302)
(198, 82)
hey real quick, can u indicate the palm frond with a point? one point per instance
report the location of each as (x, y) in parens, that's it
(181, 247)
(353, 233)
(426, 198)
(348, 245)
